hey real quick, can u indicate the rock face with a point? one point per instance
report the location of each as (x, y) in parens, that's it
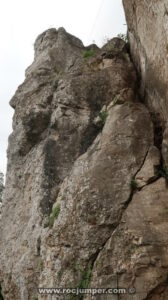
(84, 203)
(147, 30)
(137, 250)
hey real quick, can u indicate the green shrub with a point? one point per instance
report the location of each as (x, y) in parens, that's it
(133, 184)
(88, 53)
(162, 172)
(86, 276)
(54, 215)
(85, 280)
(103, 116)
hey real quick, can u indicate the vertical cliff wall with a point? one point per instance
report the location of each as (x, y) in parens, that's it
(148, 36)
(85, 203)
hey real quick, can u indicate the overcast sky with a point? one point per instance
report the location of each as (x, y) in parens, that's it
(20, 23)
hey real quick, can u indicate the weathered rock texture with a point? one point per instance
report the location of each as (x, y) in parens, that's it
(84, 204)
(148, 36)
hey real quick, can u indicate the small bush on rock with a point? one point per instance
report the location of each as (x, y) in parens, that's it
(88, 53)
(103, 116)
(54, 215)
(133, 184)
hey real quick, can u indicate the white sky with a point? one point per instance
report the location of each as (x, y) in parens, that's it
(21, 21)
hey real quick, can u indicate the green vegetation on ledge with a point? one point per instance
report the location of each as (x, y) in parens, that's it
(88, 53)
(103, 116)
(162, 172)
(133, 184)
(54, 215)
(85, 278)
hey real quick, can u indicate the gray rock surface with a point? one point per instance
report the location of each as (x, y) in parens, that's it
(137, 250)
(147, 31)
(73, 215)
(147, 173)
